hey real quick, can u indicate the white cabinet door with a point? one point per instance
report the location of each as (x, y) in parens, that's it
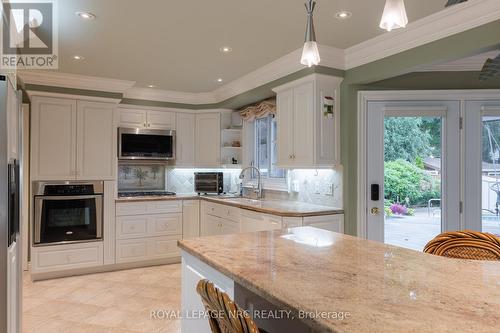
(53, 139)
(12, 122)
(254, 221)
(191, 219)
(185, 138)
(210, 225)
(207, 150)
(161, 120)
(285, 127)
(333, 223)
(132, 118)
(96, 141)
(303, 125)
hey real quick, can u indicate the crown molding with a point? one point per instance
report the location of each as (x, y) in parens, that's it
(75, 81)
(448, 22)
(470, 64)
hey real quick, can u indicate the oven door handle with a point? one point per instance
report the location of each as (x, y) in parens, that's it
(69, 197)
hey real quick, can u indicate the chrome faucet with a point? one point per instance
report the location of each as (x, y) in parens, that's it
(258, 191)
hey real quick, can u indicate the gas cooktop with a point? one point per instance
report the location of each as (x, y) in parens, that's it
(145, 194)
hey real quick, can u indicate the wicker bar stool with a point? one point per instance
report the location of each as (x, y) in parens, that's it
(465, 245)
(225, 315)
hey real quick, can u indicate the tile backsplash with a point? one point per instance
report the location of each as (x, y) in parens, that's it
(321, 187)
(146, 177)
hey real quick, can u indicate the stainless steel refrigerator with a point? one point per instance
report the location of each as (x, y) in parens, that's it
(10, 187)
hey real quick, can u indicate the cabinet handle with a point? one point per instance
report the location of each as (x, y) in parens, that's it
(145, 125)
(290, 156)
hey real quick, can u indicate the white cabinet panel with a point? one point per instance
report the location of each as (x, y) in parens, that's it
(292, 222)
(13, 122)
(65, 257)
(131, 208)
(148, 207)
(191, 219)
(210, 225)
(96, 138)
(161, 120)
(14, 291)
(207, 151)
(151, 248)
(162, 225)
(131, 226)
(185, 139)
(303, 124)
(333, 223)
(284, 101)
(254, 221)
(132, 118)
(53, 139)
(162, 207)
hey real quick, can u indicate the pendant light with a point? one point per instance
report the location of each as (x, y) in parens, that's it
(310, 53)
(394, 15)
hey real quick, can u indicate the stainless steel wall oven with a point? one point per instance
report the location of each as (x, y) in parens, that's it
(67, 212)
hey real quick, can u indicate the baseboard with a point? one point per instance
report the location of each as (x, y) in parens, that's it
(103, 269)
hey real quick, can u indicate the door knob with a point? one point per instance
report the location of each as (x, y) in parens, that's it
(375, 211)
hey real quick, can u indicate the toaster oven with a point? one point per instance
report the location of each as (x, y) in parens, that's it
(209, 182)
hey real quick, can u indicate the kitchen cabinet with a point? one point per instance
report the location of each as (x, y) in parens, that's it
(148, 230)
(333, 223)
(308, 122)
(254, 221)
(14, 280)
(190, 219)
(138, 118)
(53, 139)
(96, 141)
(72, 140)
(219, 219)
(207, 143)
(185, 139)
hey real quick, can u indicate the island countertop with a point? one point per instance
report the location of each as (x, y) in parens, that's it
(384, 288)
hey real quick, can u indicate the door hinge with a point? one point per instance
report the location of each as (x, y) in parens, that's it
(461, 123)
(461, 207)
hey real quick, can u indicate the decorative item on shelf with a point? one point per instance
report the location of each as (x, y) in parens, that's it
(236, 144)
(234, 161)
(328, 106)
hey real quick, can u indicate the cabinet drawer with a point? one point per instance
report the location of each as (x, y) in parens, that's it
(148, 207)
(165, 225)
(61, 257)
(131, 250)
(292, 222)
(223, 211)
(150, 248)
(140, 226)
(333, 223)
(131, 227)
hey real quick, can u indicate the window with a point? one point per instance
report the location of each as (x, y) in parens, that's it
(266, 148)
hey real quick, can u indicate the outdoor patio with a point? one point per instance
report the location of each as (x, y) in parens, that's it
(414, 232)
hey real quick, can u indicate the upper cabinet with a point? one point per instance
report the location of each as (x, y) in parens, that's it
(137, 118)
(185, 140)
(72, 140)
(308, 122)
(207, 147)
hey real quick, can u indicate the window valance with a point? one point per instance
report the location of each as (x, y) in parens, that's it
(260, 110)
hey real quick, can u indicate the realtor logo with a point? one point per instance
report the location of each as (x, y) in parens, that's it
(29, 34)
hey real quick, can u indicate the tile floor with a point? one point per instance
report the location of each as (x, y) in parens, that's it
(111, 302)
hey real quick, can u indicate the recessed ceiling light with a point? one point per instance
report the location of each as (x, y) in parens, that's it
(78, 57)
(85, 15)
(220, 80)
(151, 86)
(343, 14)
(225, 49)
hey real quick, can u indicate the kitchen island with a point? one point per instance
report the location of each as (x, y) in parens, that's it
(330, 282)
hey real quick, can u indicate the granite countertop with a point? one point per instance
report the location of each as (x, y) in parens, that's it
(275, 207)
(383, 288)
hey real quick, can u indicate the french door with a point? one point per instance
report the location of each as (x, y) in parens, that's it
(413, 173)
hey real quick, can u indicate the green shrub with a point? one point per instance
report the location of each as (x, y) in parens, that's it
(405, 180)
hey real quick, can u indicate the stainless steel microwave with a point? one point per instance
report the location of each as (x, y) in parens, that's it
(146, 144)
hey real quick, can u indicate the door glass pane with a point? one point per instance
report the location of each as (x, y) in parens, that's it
(261, 145)
(490, 178)
(412, 180)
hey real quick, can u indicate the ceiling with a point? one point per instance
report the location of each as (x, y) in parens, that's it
(174, 45)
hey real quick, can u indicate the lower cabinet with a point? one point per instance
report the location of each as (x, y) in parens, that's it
(131, 250)
(46, 259)
(190, 219)
(213, 225)
(333, 223)
(253, 221)
(148, 230)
